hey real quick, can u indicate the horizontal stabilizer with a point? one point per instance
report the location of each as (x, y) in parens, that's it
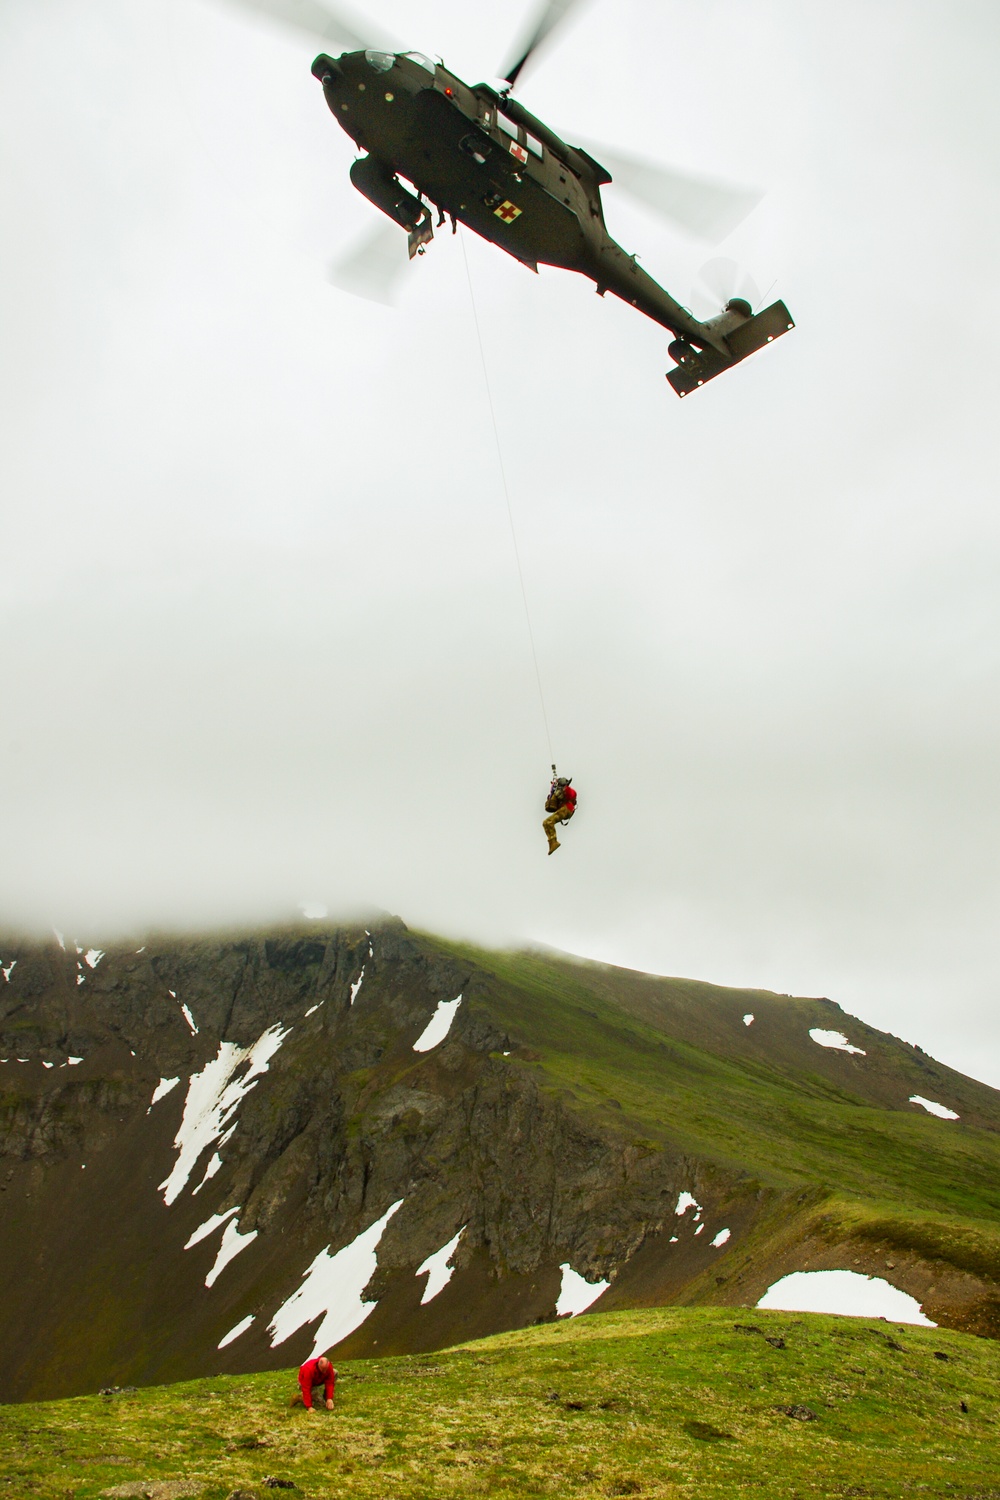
(745, 339)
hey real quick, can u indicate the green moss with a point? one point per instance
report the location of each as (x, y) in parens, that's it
(670, 1402)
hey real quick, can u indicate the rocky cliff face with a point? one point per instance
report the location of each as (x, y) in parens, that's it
(220, 1154)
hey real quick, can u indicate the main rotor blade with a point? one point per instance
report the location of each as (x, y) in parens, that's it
(372, 268)
(325, 23)
(708, 209)
(547, 18)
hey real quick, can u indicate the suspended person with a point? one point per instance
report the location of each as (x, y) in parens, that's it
(560, 804)
(315, 1375)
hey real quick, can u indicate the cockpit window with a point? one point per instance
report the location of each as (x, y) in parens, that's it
(380, 61)
(507, 125)
(421, 61)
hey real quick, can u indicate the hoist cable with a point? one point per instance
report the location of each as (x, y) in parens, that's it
(506, 495)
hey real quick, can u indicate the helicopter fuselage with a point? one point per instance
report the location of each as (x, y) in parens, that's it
(481, 158)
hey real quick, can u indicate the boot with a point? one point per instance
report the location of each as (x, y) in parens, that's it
(553, 843)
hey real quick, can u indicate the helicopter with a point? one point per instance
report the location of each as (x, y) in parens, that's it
(477, 156)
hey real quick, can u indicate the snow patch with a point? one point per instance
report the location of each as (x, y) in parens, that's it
(60, 939)
(232, 1243)
(576, 1294)
(234, 1333)
(9, 970)
(72, 1062)
(189, 1018)
(81, 978)
(142, 949)
(934, 1109)
(210, 1224)
(93, 956)
(835, 1039)
(331, 1288)
(214, 1165)
(699, 1229)
(438, 1026)
(847, 1293)
(673, 1239)
(686, 1201)
(748, 1019)
(438, 1269)
(314, 1007)
(162, 1090)
(356, 986)
(44, 1064)
(213, 1098)
(720, 1239)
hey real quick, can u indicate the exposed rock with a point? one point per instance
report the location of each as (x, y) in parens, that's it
(799, 1413)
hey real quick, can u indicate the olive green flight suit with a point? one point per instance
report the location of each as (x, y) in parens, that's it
(561, 815)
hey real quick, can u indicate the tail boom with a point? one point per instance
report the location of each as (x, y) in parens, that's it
(700, 350)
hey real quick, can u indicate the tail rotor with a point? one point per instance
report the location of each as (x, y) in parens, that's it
(728, 283)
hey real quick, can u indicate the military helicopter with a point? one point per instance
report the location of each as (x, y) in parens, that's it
(478, 157)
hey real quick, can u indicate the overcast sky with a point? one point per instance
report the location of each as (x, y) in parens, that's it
(261, 632)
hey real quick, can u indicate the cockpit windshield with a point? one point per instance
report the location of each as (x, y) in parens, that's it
(380, 61)
(421, 61)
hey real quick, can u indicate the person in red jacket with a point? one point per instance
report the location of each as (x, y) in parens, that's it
(313, 1375)
(560, 804)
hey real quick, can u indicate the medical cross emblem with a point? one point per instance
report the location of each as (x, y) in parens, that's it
(507, 211)
(518, 151)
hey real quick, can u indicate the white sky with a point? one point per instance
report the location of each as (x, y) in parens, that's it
(261, 637)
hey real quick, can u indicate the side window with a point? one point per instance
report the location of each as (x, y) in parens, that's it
(475, 146)
(535, 147)
(507, 125)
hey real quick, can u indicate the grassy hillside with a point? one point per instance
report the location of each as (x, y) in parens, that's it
(672, 1402)
(674, 1060)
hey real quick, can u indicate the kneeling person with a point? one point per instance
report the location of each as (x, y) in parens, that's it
(314, 1375)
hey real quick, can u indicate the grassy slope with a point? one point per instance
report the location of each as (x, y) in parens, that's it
(668, 1402)
(937, 1190)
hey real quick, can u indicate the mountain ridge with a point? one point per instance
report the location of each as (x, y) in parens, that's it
(562, 1120)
